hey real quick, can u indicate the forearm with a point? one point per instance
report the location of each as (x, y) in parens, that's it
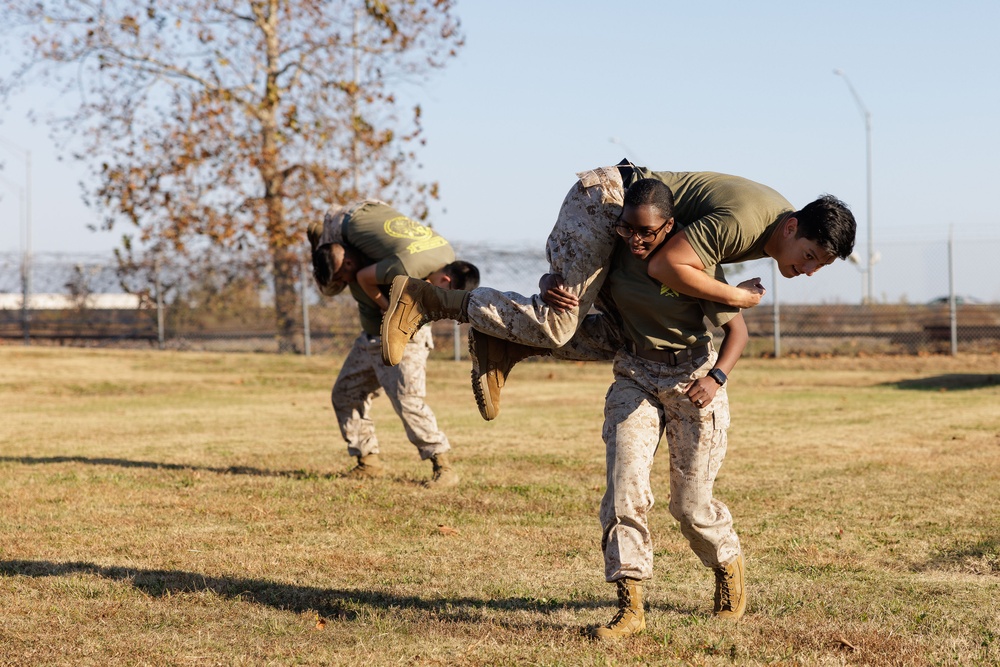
(695, 282)
(368, 284)
(733, 345)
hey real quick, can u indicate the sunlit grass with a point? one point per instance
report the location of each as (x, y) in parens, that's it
(179, 509)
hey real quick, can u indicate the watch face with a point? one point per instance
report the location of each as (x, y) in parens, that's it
(718, 376)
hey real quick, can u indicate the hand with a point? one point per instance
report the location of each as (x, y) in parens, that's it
(554, 294)
(702, 391)
(754, 293)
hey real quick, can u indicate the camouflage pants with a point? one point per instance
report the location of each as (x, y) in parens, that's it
(598, 339)
(578, 248)
(362, 378)
(646, 401)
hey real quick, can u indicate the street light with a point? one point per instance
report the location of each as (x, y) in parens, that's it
(867, 272)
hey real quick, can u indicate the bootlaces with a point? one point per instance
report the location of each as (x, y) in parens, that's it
(618, 617)
(723, 580)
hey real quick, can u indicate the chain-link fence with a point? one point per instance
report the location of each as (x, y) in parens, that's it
(927, 297)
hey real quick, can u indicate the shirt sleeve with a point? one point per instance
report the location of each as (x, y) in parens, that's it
(713, 237)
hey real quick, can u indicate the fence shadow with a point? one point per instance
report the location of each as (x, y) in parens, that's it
(949, 382)
(155, 465)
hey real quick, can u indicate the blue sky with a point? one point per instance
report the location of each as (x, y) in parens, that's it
(542, 88)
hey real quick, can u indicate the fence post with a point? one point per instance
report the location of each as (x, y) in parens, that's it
(306, 337)
(777, 310)
(160, 337)
(26, 297)
(952, 306)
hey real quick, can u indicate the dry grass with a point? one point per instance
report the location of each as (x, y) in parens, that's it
(187, 509)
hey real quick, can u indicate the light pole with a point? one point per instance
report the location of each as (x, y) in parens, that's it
(867, 273)
(26, 259)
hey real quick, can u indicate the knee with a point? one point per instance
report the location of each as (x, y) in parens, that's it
(685, 513)
(562, 327)
(691, 514)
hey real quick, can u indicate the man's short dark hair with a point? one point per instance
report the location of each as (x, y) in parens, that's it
(830, 223)
(651, 192)
(464, 275)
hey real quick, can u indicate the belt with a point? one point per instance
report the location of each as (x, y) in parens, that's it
(672, 357)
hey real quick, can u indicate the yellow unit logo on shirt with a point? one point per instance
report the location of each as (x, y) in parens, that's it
(423, 237)
(402, 227)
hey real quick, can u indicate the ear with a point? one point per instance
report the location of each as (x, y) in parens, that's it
(670, 225)
(440, 279)
(791, 226)
(336, 256)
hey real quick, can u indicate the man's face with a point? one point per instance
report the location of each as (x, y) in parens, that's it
(345, 267)
(798, 256)
(643, 229)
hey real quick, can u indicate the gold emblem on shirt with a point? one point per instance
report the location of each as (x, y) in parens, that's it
(402, 227)
(423, 237)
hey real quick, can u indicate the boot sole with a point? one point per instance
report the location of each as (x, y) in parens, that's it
(439, 484)
(597, 634)
(365, 474)
(480, 388)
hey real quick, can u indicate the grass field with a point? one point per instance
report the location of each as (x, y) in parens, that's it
(189, 509)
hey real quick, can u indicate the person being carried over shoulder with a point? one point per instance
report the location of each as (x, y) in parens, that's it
(724, 219)
(363, 246)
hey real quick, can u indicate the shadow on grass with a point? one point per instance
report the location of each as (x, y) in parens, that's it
(981, 557)
(327, 602)
(153, 465)
(949, 382)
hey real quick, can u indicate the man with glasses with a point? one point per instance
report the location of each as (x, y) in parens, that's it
(723, 219)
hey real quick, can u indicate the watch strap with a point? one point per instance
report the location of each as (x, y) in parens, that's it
(718, 375)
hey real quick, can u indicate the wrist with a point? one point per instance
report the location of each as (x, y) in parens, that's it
(718, 375)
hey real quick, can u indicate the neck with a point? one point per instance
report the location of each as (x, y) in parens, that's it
(774, 237)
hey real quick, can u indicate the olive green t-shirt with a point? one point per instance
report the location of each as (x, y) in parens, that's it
(397, 245)
(656, 317)
(726, 219)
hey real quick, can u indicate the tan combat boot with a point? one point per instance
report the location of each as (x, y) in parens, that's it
(369, 467)
(412, 304)
(730, 596)
(630, 618)
(444, 475)
(492, 359)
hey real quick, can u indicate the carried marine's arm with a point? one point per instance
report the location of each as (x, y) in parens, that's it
(678, 266)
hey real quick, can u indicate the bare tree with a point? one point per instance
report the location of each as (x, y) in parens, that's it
(233, 123)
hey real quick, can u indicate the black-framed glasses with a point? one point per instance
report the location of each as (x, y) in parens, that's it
(645, 235)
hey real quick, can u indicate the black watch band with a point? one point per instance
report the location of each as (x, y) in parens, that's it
(717, 375)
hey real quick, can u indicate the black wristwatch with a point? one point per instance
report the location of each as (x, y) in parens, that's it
(717, 375)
